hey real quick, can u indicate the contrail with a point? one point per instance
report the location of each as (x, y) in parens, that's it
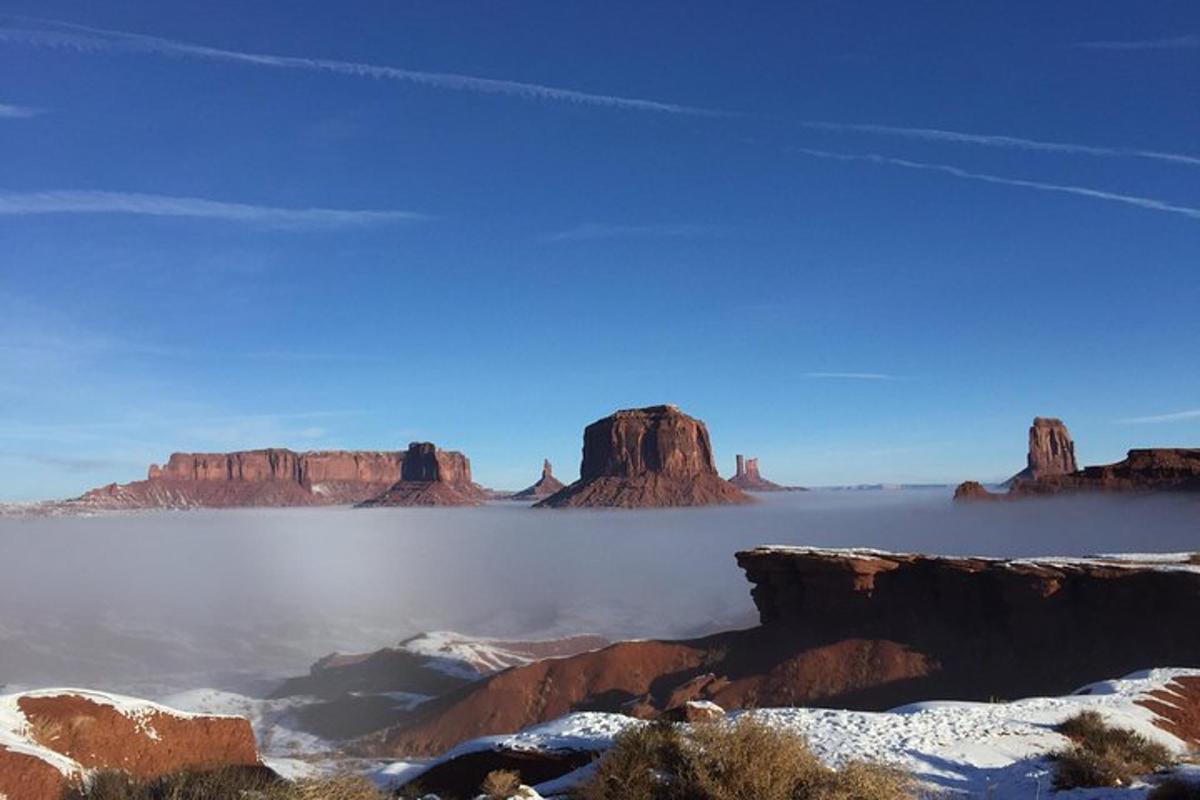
(1013, 142)
(100, 202)
(52, 33)
(1188, 40)
(1081, 191)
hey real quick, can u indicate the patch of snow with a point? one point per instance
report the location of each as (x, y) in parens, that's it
(995, 750)
(464, 656)
(1175, 562)
(272, 720)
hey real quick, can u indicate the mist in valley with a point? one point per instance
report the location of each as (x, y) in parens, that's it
(159, 602)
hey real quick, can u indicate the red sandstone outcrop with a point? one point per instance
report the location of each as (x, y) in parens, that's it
(1051, 451)
(647, 457)
(1151, 470)
(545, 486)
(865, 630)
(431, 477)
(748, 479)
(272, 477)
(49, 738)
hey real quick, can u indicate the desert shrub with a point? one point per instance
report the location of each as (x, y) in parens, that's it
(1101, 755)
(501, 784)
(1175, 789)
(223, 784)
(743, 760)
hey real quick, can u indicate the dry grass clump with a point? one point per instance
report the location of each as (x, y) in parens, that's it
(232, 783)
(501, 784)
(1101, 755)
(732, 761)
(1175, 789)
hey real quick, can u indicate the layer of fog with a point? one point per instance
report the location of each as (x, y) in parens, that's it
(157, 602)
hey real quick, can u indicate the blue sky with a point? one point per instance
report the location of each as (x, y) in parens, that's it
(863, 241)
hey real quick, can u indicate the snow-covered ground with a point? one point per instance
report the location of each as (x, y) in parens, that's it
(994, 750)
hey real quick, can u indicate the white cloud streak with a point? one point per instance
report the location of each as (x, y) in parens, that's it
(101, 202)
(590, 231)
(1010, 142)
(17, 112)
(851, 376)
(1177, 416)
(51, 33)
(1168, 43)
(1148, 203)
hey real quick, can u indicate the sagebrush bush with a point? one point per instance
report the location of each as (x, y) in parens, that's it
(224, 784)
(1101, 755)
(743, 760)
(501, 784)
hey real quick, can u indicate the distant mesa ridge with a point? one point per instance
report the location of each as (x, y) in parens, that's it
(275, 477)
(268, 477)
(649, 457)
(1052, 469)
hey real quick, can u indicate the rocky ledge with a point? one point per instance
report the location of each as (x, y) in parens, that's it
(49, 739)
(647, 457)
(860, 630)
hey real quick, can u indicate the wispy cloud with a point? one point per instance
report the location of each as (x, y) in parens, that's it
(996, 140)
(1176, 416)
(100, 202)
(594, 230)
(852, 376)
(17, 112)
(52, 33)
(1148, 203)
(1167, 43)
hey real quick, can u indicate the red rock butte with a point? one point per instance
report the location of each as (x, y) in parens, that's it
(644, 458)
(747, 477)
(543, 488)
(1052, 469)
(269, 477)
(431, 477)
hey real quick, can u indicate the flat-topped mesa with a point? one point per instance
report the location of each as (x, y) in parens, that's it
(1051, 451)
(267, 477)
(747, 477)
(431, 477)
(543, 488)
(647, 457)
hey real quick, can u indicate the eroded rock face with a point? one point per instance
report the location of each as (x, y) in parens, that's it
(543, 488)
(52, 736)
(748, 479)
(431, 477)
(860, 630)
(1051, 451)
(272, 477)
(647, 457)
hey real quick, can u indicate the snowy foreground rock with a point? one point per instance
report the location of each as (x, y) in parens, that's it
(995, 750)
(52, 738)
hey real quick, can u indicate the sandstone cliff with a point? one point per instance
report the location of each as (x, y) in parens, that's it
(271, 477)
(49, 738)
(431, 477)
(864, 630)
(1051, 451)
(647, 457)
(747, 477)
(543, 488)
